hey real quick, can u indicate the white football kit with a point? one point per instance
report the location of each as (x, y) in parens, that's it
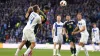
(58, 37)
(95, 35)
(84, 34)
(28, 31)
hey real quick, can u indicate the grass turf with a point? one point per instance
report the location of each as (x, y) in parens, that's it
(42, 52)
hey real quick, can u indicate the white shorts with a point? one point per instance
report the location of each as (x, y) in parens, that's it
(96, 40)
(58, 39)
(28, 35)
(84, 38)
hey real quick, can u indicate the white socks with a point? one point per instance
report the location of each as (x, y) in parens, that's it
(78, 50)
(86, 52)
(28, 51)
(54, 51)
(17, 51)
(94, 47)
(58, 51)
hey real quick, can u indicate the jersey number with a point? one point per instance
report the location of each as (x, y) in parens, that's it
(31, 21)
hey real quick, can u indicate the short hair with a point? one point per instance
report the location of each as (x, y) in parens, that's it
(79, 13)
(46, 7)
(94, 23)
(35, 8)
(58, 15)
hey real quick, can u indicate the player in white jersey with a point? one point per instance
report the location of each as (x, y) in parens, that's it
(84, 34)
(28, 31)
(57, 35)
(95, 37)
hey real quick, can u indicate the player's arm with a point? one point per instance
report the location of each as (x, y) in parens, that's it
(92, 34)
(65, 30)
(82, 28)
(76, 29)
(98, 31)
(53, 30)
(28, 13)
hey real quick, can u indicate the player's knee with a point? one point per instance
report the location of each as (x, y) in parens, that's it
(71, 44)
(81, 44)
(32, 45)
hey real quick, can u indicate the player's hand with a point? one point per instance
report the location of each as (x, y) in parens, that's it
(74, 33)
(67, 36)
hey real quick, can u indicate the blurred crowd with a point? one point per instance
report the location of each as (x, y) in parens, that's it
(12, 18)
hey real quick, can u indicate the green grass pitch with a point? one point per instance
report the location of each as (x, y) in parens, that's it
(42, 52)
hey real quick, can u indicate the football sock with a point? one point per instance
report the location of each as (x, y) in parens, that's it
(78, 50)
(74, 50)
(27, 51)
(71, 49)
(93, 46)
(86, 52)
(58, 51)
(17, 51)
(54, 51)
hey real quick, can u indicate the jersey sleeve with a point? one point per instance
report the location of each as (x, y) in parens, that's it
(83, 23)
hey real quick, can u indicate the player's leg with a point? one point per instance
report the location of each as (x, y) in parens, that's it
(20, 47)
(21, 44)
(58, 50)
(99, 46)
(29, 49)
(72, 48)
(86, 51)
(55, 40)
(93, 45)
(28, 43)
(32, 39)
(54, 49)
(82, 42)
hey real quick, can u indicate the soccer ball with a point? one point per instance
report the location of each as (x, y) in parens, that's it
(63, 3)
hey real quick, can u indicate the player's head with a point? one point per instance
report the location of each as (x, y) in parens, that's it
(68, 17)
(94, 25)
(36, 8)
(46, 9)
(79, 16)
(58, 18)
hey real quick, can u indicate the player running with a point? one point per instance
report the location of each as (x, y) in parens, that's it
(84, 34)
(95, 37)
(68, 28)
(28, 31)
(57, 35)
